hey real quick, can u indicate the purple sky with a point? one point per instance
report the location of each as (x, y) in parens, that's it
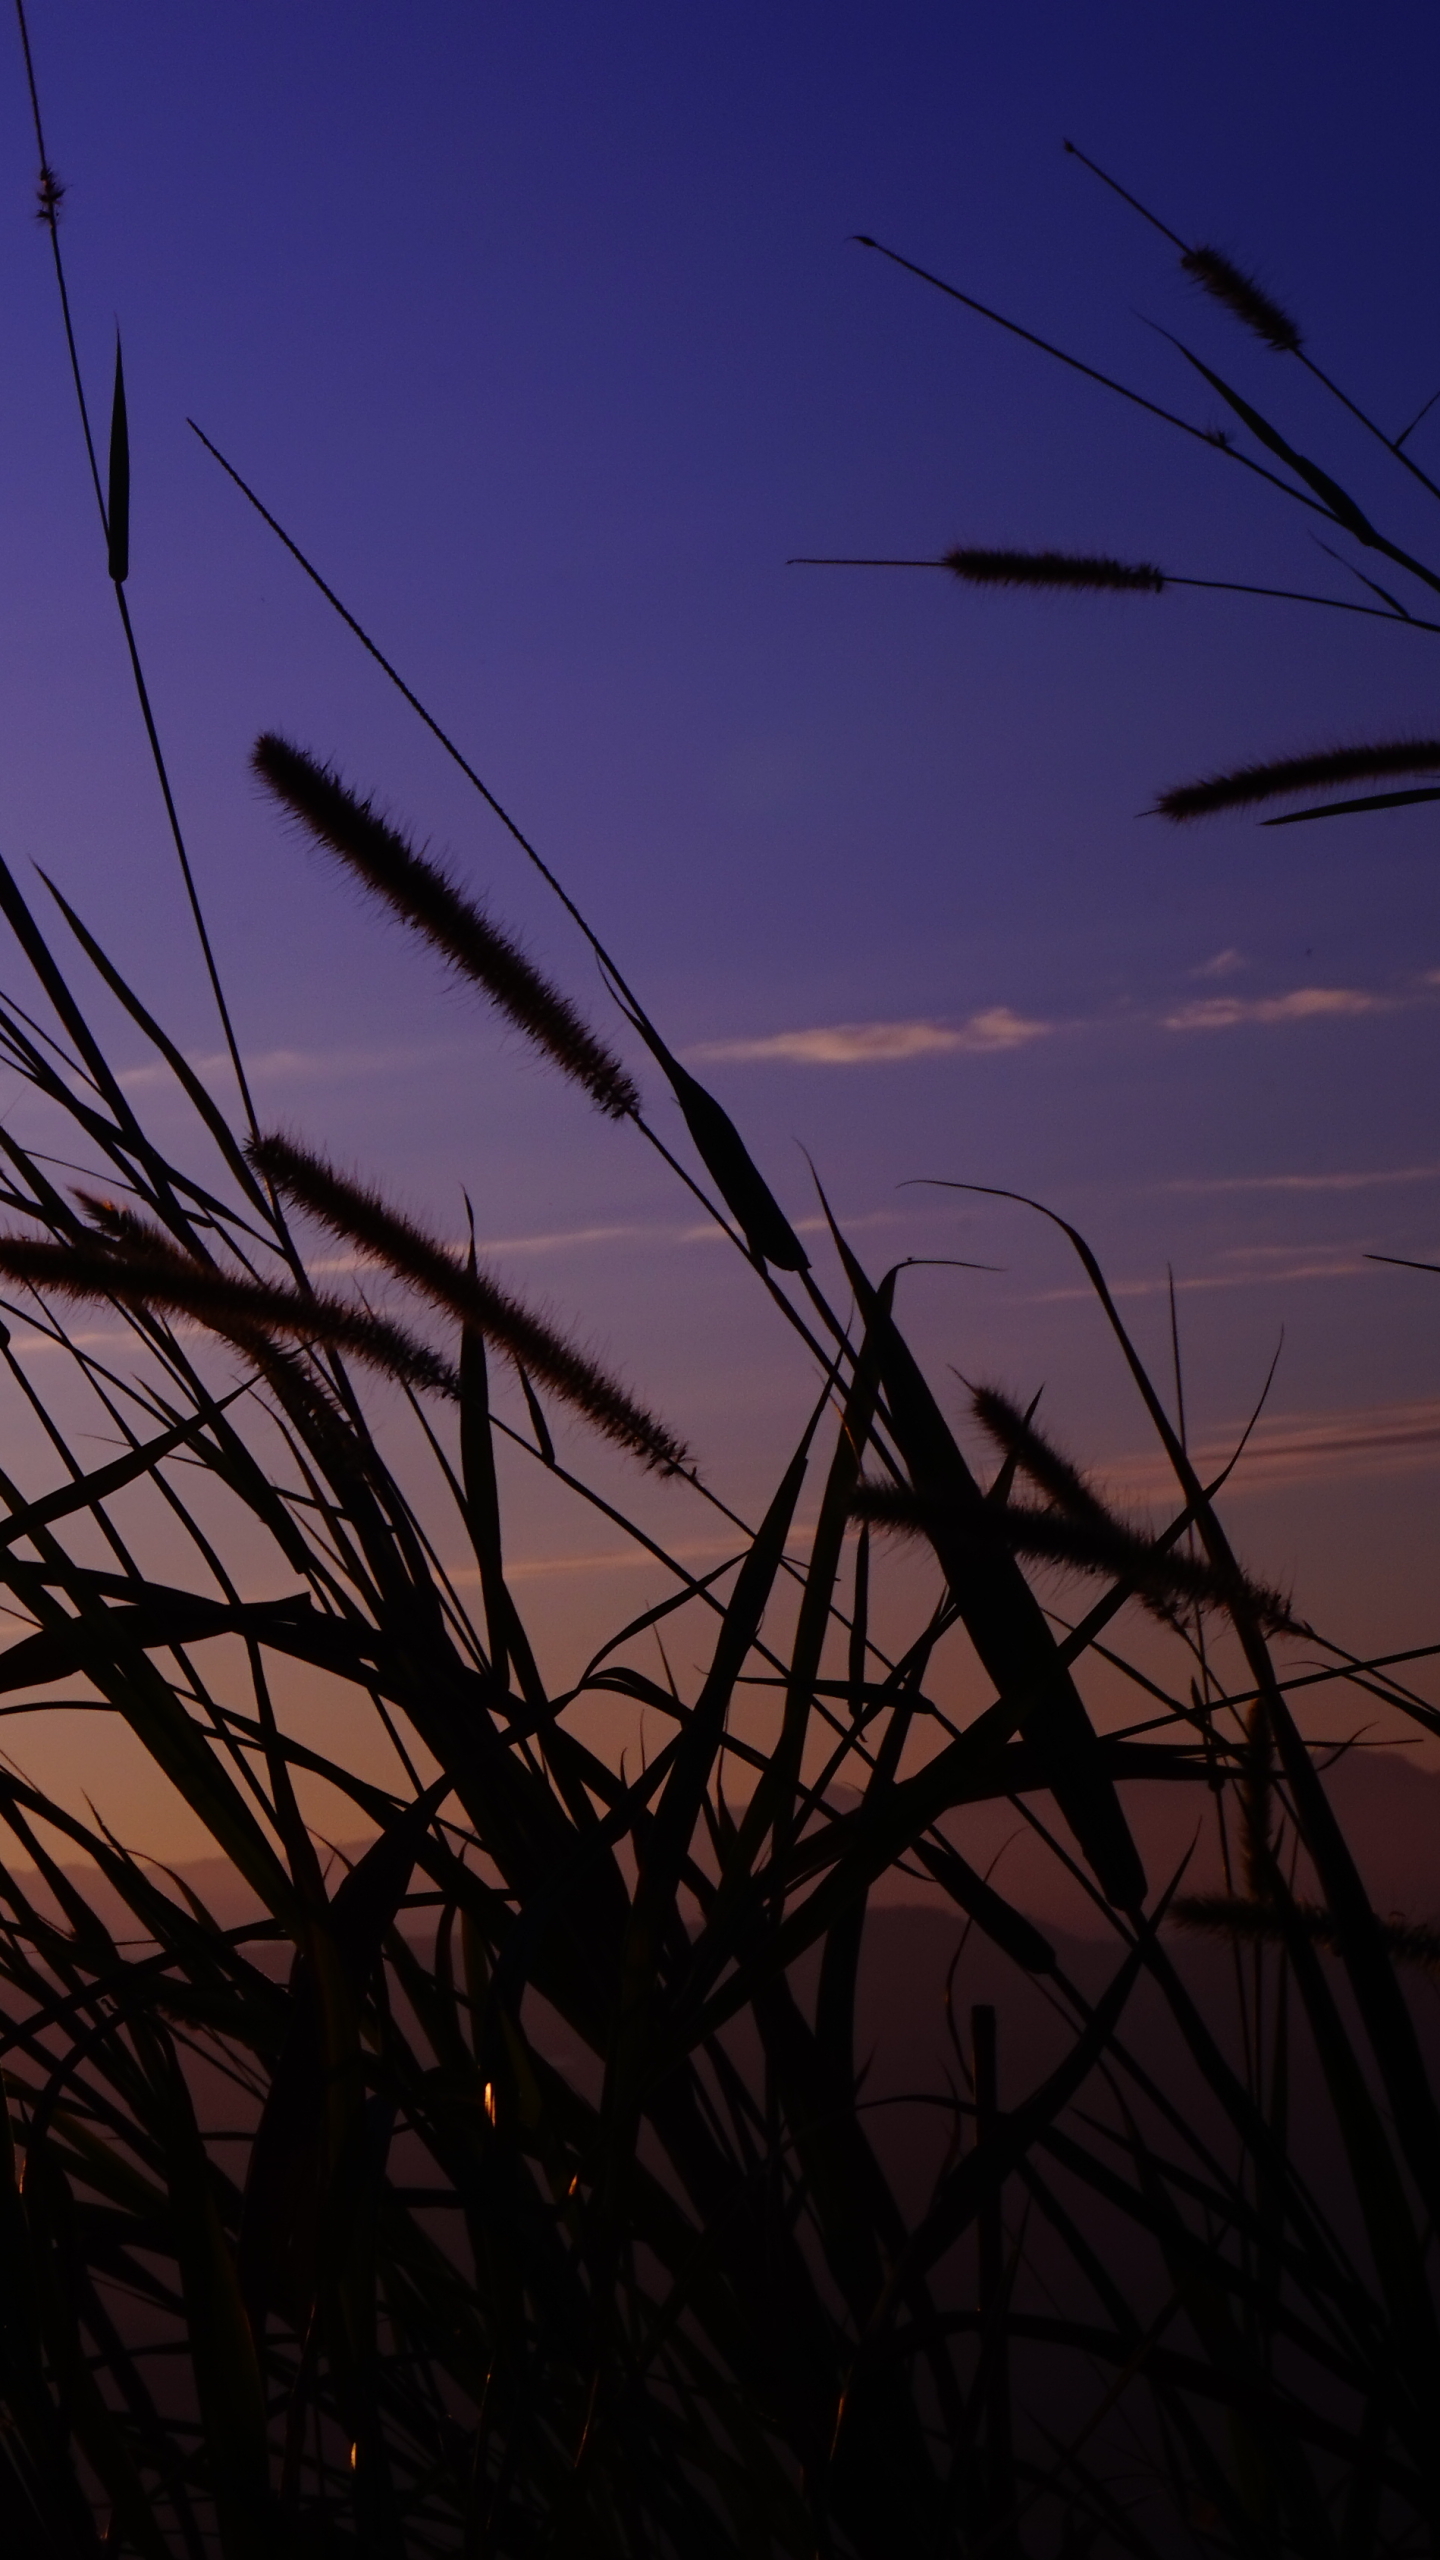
(539, 327)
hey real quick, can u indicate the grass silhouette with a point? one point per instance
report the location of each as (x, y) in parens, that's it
(518, 2188)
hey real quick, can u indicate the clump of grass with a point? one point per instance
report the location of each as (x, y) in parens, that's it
(409, 2295)
(818, 2365)
(549, 2210)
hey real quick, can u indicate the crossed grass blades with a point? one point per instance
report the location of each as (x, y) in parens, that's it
(518, 2190)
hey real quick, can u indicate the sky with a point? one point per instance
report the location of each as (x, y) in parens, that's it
(544, 330)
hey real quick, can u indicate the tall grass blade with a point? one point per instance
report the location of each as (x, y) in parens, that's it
(117, 495)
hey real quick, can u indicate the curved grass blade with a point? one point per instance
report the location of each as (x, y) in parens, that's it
(1002, 1617)
(1352, 808)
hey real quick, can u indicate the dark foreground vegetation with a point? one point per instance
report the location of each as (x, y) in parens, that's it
(521, 2187)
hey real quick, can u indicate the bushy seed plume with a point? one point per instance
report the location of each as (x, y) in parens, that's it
(1096, 1543)
(1053, 569)
(1250, 783)
(424, 897)
(243, 1311)
(1258, 311)
(1027, 1450)
(357, 1212)
(126, 1227)
(1016, 1434)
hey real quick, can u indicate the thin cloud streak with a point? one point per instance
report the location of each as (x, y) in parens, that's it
(331, 1263)
(1356, 1268)
(299, 1066)
(1310, 1181)
(26, 1345)
(1298, 1448)
(1302, 1004)
(573, 1239)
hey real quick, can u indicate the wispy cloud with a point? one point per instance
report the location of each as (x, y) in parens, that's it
(563, 1239)
(869, 1044)
(1278, 1264)
(1301, 1004)
(1312, 1181)
(998, 1028)
(577, 1239)
(993, 1029)
(26, 1345)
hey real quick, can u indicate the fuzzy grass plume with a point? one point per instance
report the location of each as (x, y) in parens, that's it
(356, 1212)
(424, 897)
(1095, 1543)
(1250, 304)
(142, 1275)
(1075, 1528)
(1252, 783)
(1054, 569)
(1016, 1436)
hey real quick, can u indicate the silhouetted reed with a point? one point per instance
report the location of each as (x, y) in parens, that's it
(1053, 569)
(1250, 783)
(238, 1309)
(356, 1212)
(1018, 1437)
(1092, 1541)
(1250, 304)
(1082, 1523)
(424, 897)
(1211, 269)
